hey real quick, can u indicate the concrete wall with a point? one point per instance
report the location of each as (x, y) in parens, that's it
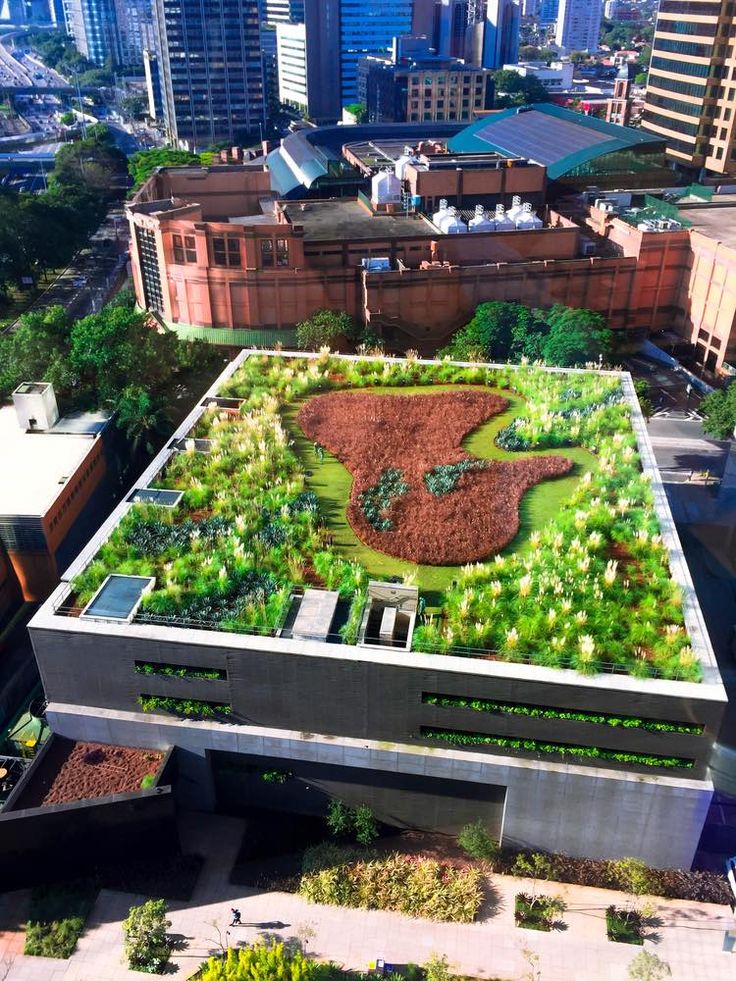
(380, 697)
(42, 844)
(585, 812)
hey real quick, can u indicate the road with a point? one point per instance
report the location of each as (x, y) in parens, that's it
(87, 283)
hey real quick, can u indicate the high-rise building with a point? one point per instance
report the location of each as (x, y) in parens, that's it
(579, 25)
(548, 10)
(211, 70)
(136, 30)
(451, 26)
(493, 33)
(691, 93)
(282, 11)
(94, 27)
(291, 48)
(367, 27)
(338, 33)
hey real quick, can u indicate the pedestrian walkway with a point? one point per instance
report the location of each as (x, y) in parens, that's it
(689, 936)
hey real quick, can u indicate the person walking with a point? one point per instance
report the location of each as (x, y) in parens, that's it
(236, 917)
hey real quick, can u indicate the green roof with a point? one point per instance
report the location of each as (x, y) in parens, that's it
(558, 138)
(237, 336)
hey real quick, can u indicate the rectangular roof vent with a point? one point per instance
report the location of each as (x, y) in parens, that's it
(118, 598)
(157, 496)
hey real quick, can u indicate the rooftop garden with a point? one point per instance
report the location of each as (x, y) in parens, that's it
(513, 498)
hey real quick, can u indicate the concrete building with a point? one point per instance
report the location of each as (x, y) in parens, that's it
(350, 721)
(578, 25)
(57, 475)
(211, 70)
(422, 87)
(691, 99)
(556, 77)
(548, 11)
(291, 57)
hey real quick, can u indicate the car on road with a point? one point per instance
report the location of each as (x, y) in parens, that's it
(79, 281)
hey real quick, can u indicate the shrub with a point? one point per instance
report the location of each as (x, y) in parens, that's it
(56, 939)
(633, 877)
(365, 825)
(360, 821)
(57, 916)
(272, 962)
(437, 968)
(144, 932)
(420, 888)
(537, 912)
(339, 818)
(646, 966)
(476, 841)
(148, 781)
(624, 926)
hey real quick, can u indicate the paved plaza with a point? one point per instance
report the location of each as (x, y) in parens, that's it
(689, 936)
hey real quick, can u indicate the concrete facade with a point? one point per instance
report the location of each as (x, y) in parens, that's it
(365, 712)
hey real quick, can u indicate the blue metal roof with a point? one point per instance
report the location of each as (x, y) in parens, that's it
(548, 134)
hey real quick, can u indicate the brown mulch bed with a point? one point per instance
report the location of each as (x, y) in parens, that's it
(73, 771)
(372, 433)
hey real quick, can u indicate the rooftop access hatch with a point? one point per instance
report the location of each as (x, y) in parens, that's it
(118, 598)
(158, 496)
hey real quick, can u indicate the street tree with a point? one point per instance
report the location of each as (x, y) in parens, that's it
(324, 328)
(719, 412)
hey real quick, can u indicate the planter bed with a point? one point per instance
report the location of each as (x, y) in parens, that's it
(624, 926)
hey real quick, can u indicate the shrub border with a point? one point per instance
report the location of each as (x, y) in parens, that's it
(461, 738)
(543, 712)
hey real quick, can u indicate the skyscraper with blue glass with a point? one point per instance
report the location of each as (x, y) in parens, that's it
(367, 27)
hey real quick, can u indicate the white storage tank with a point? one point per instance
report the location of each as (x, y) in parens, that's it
(439, 215)
(407, 157)
(528, 218)
(481, 222)
(452, 223)
(385, 188)
(502, 220)
(516, 210)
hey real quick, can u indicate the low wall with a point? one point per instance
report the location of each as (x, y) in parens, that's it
(43, 844)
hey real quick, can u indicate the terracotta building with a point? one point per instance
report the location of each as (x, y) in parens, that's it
(214, 248)
(55, 474)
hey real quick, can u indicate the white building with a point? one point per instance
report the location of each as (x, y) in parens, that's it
(291, 54)
(578, 25)
(556, 77)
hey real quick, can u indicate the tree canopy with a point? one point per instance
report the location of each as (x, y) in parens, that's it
(323, 328)
(719, 413)
(512, 89)
(112, 359)
(502, 331)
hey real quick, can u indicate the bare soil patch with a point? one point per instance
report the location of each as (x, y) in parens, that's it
(371, 434)
(73, 771)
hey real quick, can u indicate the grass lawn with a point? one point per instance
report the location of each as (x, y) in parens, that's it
(331, 481)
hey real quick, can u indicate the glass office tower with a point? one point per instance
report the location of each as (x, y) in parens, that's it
(211, 70)
(367, 27)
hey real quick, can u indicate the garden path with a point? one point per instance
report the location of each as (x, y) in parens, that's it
(690, 937)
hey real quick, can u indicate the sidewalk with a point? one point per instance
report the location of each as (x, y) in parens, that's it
(689, 936)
